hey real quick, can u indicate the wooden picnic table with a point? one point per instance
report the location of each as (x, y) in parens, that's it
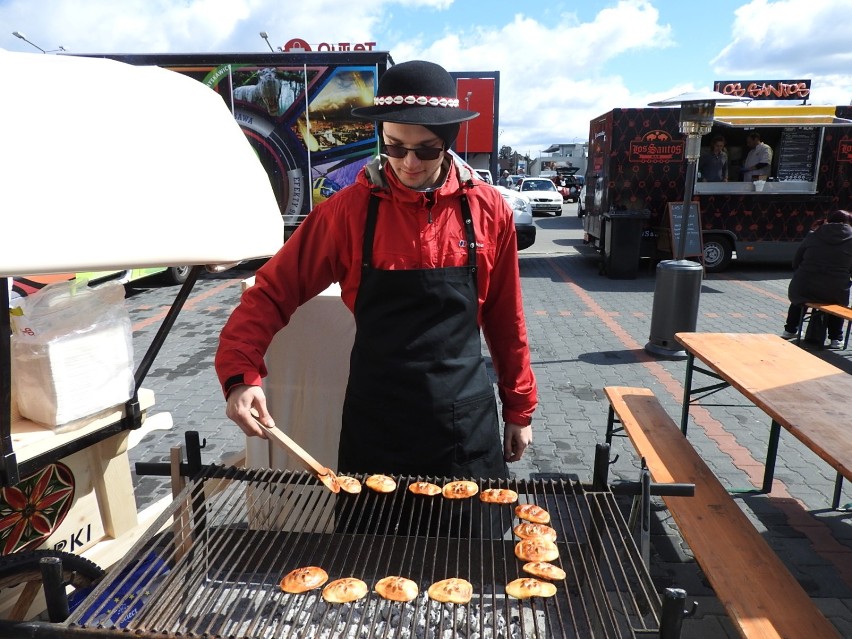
(800, 392)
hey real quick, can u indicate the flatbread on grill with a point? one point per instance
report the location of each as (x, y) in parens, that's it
(303, 579)
(453, 590)
(498, 496)
(544, 570)
(397, 588)
(526, 587)
(532, 513)
(529, 530)
(537, 549)
(349, 484)
(460, 489)
(424, 488)
(344, 590)
(381, 483)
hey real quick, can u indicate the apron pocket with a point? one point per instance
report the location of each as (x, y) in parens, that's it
(477, 429)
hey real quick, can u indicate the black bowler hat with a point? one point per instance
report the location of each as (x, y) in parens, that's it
(416, 92)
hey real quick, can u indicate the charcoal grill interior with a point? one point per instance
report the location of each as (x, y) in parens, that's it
(212, 563)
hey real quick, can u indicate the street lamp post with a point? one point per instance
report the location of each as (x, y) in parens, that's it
(21, 36)
(467, 123)
(265, 36)
(677, 289)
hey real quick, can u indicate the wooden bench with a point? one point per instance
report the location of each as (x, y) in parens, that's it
(843, 312)
(759, 594)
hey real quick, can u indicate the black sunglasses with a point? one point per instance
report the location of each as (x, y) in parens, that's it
(398, 151)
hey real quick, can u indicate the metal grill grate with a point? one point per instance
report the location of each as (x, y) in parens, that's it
(212, 564)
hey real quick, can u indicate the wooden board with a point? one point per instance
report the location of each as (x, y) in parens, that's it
(806, 395)
(30, 439)
(760, 595)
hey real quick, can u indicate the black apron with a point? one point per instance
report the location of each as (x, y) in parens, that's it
(419, 401)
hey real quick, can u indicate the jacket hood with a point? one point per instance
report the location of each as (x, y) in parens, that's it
(834, 233)
(376, 177)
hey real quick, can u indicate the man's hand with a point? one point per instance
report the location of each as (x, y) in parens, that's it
(516, 438)
(241, 400)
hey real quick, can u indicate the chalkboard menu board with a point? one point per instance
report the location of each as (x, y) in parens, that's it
(694, 245)
(797, 154)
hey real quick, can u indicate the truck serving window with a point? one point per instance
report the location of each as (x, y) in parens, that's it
(794, 135)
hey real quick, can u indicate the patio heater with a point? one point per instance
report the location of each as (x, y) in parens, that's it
(678, 281)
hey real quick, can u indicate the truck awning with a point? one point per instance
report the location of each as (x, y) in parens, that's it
(823, 116)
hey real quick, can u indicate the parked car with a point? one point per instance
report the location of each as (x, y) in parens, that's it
(522, 209)
(568, 184)
(543, 195)
(485, 174)
(581, 202)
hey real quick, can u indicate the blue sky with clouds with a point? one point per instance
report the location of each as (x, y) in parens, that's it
(561, 63)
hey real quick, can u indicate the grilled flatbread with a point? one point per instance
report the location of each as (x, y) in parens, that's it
(381, 483)
(460, 489)
(424, 488)
(527, 587)
(544, 570)
(532, 513)
(498, 496)
(537, 549)
(453, 590)
(397, 588)
(349, 484)
(529, 530)
(345, 590)
(303, 579)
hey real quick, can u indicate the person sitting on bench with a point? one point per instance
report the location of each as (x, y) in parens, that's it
(822, 265)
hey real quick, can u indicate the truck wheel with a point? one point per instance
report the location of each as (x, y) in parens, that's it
(718, 253)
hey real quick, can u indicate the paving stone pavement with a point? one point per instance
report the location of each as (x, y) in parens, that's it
(586, 331)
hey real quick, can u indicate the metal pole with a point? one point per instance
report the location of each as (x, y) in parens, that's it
(689, 187)
(467, 123)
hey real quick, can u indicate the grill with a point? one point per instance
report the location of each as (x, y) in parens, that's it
(212, 563)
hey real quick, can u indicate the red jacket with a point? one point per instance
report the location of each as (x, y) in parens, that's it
(411, 233)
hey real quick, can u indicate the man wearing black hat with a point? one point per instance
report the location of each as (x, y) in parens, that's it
(426, 257)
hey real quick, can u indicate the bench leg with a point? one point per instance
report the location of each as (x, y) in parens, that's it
(610, 422)
(771, 454)
(848, 328)
(805, 311)
(838, 489)
(687, 392)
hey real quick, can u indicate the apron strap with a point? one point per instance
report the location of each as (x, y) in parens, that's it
(370, 232)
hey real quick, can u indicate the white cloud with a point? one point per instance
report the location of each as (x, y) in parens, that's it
(793, 39)
(558, 69)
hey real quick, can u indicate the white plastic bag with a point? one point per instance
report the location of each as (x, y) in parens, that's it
(72, 353)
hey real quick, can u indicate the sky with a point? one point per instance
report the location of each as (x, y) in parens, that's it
(561, 63)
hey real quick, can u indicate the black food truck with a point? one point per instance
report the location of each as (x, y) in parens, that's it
(636, 166)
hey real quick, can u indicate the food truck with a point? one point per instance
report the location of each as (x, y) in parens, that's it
(637, 166)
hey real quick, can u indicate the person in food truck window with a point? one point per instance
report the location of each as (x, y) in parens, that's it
(713, 165)
(426, 257)
(822, 268)
(758, 162)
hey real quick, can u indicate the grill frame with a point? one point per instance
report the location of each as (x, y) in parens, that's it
(608, 591)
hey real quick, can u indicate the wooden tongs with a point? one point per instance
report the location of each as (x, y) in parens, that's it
(325, 475)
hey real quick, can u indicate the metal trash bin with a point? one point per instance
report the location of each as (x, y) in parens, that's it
(623, 242)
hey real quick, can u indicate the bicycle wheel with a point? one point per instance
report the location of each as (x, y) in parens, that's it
(20, 578)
